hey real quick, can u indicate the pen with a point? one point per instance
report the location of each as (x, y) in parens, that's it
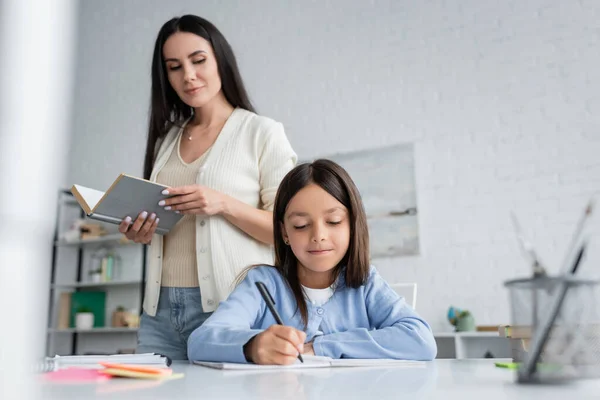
(579, 232)
(264, 292)
(527, 249)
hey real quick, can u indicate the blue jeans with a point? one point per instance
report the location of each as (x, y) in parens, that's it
(179, 313)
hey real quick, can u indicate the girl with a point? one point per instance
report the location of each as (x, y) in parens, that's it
(332, 302)
(223, 164)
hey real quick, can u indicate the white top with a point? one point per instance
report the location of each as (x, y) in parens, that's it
(438, 380)
(248, 160)
(318, 297)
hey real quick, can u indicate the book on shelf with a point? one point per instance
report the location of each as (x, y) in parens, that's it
(106, 271)
(128, 196)
(64, 310)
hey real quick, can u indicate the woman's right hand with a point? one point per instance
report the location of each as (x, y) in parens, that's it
(278, 345)
(142, 229)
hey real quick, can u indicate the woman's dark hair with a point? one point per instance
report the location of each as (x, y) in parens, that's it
(166, 108)
(334, 180)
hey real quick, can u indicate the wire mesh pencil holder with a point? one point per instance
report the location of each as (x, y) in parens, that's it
(555, 328)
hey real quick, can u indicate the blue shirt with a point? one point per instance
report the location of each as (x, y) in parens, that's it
(371, 321)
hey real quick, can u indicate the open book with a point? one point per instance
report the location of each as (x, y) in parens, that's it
(318, 362)
(127, 196)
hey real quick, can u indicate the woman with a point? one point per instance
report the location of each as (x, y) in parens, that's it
(222, 164)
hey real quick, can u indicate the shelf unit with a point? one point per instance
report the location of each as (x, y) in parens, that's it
(103, 239)
(93, 284)
(93, 330)
(474, 344)
(69, 261)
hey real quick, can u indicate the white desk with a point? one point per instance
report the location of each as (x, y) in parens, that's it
(441, 379)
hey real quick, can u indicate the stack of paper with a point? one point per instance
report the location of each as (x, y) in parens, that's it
(318, 362)
(95, 361)
(138, 372)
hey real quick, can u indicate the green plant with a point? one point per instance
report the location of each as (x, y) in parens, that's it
(84, 309)
(465, 322)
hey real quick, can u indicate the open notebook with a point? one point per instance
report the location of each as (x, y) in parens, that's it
(318, 362)
(127, 196)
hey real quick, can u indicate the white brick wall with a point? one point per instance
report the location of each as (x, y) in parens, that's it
(501, 99)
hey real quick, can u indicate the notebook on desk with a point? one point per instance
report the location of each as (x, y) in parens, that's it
(127, 196)
(96, 361)
(317, 362)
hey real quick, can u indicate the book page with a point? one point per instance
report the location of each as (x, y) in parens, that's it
(91, 196)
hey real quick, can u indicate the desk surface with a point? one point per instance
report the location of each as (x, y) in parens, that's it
(440, 379)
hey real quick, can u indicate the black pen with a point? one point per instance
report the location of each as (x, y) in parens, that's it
(264, 292)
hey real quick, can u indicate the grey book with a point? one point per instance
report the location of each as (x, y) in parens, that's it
(127, 196)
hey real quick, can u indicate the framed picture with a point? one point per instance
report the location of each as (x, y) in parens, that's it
(386, 180)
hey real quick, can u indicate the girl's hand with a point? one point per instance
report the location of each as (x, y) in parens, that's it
(278, 345)
(194, 199)
(142, 229)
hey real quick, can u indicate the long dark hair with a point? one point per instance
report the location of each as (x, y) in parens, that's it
(166, 108)
(334, 179)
